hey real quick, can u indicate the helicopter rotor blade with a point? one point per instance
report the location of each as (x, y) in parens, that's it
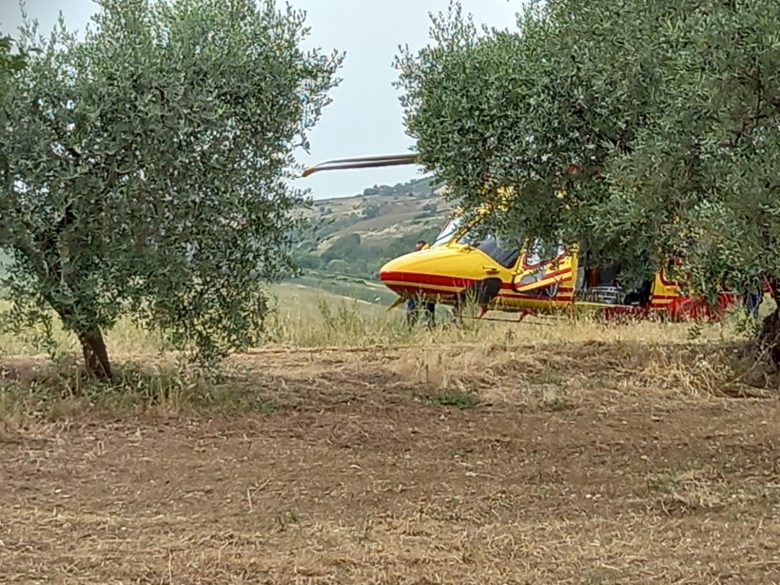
(362, 163)
(408, 156)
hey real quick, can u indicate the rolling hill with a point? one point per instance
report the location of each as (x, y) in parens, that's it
(356, 235)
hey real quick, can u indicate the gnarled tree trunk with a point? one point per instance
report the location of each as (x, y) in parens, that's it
(769, 336)
(93, 346)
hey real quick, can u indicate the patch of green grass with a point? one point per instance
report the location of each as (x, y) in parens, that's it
(603, 576)
(461, 399)
(558, 404)
(267, 406)
(286, 519)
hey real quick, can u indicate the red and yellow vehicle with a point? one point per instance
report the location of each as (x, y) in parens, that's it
(502, 274)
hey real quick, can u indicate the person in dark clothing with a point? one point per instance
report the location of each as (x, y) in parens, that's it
(412, 313)
(752, 298)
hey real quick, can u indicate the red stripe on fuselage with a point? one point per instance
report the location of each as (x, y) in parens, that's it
(431, 279)
(419, 278)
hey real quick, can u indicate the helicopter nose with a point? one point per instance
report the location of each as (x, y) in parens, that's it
(390, 269)
(417, 273)
(394, 270)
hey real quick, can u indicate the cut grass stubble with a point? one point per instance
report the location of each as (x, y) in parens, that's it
(351, 450)
(534, 362)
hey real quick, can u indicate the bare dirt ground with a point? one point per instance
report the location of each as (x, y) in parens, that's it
(360, 470)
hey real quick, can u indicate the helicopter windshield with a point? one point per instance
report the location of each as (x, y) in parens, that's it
(505, 251)
(502, 250)
(448, 231)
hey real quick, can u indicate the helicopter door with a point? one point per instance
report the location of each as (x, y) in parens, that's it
(536, 273)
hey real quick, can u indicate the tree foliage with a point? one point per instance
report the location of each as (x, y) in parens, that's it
(656, 124)
(9, 63)
(147, 164)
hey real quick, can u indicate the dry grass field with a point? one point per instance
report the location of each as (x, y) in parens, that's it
(349, 451)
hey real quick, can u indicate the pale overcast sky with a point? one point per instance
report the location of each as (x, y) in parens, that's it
(365, 117)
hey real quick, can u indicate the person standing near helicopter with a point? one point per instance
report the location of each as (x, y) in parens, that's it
(753, 296)
(411, 303)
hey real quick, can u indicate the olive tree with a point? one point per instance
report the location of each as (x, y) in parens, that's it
(514, 109)
(146, 169)
(656, 124)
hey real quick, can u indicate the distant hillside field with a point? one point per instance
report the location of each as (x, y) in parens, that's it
(356, 235)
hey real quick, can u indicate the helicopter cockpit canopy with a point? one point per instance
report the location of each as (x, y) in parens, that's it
(448, 231)
(505, 251)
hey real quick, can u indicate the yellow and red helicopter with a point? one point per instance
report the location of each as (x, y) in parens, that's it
(514, 276)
